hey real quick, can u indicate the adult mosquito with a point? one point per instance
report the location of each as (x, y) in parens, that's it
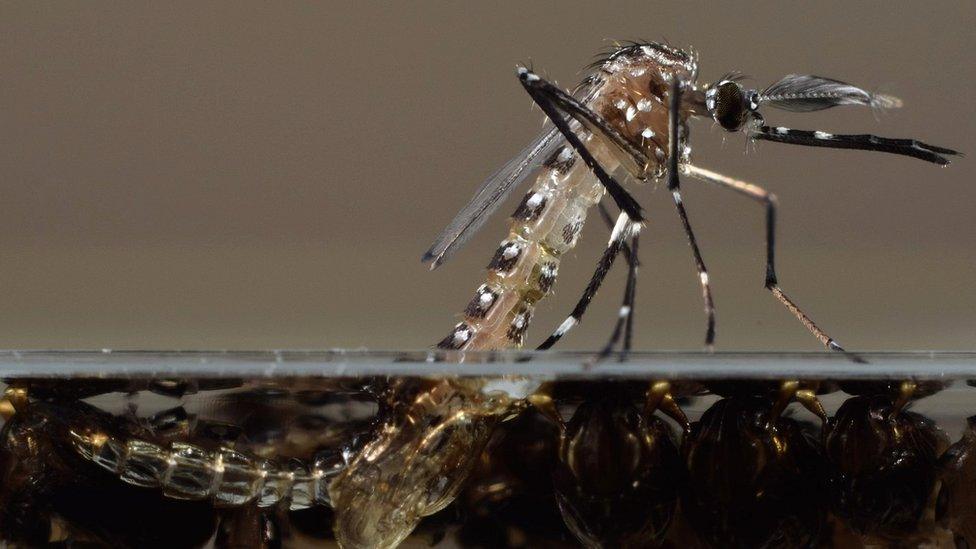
(628, 119)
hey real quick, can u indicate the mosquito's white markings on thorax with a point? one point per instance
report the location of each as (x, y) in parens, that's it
(656, 55)
(647, 133)
(823, 135)
(631, 113)
(644, 104)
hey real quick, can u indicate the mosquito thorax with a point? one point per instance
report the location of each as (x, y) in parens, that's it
(731, 105)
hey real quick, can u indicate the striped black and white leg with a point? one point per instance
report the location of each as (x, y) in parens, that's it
(623, 229)
(864, 142)
(674, 185)
(633, 260)
(625, 318)
(608, 220)
(768, 201)
(555, 103)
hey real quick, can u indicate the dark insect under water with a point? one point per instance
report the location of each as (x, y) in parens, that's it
(508, 500)
(753, 478)
(52, 495)
(956, 509)
(883, 467)
(619, 472)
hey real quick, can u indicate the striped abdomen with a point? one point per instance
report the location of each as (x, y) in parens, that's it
(545, 225)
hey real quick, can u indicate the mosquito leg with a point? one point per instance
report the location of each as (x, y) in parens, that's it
(674, 185)
(634, 262)
(625, 318)
(621, 231)
(551, 102)
(608, 220)
(864, 142)
(768, 200)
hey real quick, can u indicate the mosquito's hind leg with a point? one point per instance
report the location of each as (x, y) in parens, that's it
(768, 200)
(622, 230)
(625, 318)
(634, 263)
(674, 185)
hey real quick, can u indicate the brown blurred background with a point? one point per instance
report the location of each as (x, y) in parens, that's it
(258, 176)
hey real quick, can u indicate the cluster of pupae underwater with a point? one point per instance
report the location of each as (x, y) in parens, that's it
(376, 462)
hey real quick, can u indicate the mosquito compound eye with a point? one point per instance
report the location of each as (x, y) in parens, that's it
(729, 105)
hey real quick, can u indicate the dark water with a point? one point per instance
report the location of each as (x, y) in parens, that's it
(486, 461)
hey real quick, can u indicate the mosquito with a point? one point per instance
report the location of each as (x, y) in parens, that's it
(628, 120)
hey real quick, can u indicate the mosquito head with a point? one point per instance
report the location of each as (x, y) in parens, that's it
(730, 104)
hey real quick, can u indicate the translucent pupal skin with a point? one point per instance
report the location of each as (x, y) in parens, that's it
(628, 90)
(224, 476)
(416, 463)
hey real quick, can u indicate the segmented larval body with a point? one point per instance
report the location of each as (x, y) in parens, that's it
(227, 477)
(629, 91)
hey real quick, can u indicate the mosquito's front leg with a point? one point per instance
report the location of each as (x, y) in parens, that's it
(674, 185)
(554, 102)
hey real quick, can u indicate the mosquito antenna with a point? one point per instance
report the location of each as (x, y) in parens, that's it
(864, 142)
(807, 93)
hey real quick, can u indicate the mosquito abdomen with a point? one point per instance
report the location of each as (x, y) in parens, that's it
(545, 225)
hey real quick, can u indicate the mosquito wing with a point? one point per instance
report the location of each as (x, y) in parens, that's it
(490, 195)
